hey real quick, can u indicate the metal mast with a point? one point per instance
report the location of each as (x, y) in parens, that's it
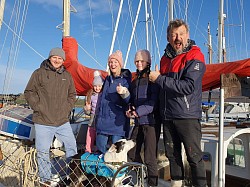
(170, 10)
(2, 5)
(221, 168)
(224, 59)
(66, 18)
(210, 52)
(220, 31)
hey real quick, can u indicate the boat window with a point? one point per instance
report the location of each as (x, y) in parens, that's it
(228, 108)
(235, 153)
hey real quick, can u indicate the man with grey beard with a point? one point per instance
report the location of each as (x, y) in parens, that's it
(180, 79)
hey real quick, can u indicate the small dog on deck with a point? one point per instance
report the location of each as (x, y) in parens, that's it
(118, 152)
(105, 166)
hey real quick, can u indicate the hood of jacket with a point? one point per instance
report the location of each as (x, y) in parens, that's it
(48, 66)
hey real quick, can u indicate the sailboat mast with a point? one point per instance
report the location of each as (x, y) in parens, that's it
(66, 18)
(115, 31)
(2, 5)
(170, 10)
(221, 160)
(223, 40)
(210, 52)
(146, 24)
(220, 31)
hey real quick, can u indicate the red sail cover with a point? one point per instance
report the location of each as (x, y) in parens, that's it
(83, 76)
(211, 78)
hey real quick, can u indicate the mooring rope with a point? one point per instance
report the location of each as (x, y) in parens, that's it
(28, 165)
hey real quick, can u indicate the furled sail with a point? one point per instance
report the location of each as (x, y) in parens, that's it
(83, 76)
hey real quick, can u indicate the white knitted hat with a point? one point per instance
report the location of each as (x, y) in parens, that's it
(97, 78)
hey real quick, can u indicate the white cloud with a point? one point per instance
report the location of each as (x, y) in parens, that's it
(49, 3)
(97, 7)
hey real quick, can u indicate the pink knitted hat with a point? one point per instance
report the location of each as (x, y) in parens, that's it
(118, 56)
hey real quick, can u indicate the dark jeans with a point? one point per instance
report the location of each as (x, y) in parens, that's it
(158, 124)
(188, 132)
(145, 134)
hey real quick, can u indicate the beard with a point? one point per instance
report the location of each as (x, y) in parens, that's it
(180, 50)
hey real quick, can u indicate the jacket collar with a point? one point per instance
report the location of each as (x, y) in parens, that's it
(171, 53)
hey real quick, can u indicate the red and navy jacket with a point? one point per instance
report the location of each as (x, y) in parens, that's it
(181, 83)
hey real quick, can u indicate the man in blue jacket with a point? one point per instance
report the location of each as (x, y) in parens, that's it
(180, 79)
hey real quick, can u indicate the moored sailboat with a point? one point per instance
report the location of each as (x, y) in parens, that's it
(83, 75)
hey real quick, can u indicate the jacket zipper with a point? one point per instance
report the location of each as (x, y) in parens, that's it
(137, 90)
(186, 102)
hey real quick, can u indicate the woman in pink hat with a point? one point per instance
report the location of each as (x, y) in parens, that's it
(111, 118)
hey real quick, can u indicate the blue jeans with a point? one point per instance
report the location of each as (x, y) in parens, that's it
(102, 141)
(188, 132)
(43, 138)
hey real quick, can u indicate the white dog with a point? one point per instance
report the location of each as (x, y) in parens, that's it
(118, 151)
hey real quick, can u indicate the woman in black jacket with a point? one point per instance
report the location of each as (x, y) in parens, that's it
(144, 98)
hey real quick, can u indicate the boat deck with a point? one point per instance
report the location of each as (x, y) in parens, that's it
(18, 113)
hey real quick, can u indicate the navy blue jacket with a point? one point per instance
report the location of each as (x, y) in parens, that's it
(144, 96)
(181, 83)
(111, 107)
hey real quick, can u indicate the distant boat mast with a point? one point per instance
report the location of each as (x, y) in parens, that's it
(210, 51)
(221, 37)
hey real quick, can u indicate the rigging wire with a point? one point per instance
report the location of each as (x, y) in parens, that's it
(196, 25)
(156, 39)
(186, 11)
(124, 32)
(115, 31)
(113, 26)
(112, 17)
(112, 14)
(91, 56)
(131, 19)
(163, 26)
(17, 33)
(26, 43)
(7, 32)
(158, 15)
(178, 14)
(23, 21)
(244, 27)
(92, 26)
(232, 34)
(13, 49)
(133, 31)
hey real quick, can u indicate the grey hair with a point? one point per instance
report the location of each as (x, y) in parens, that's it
(175, 24)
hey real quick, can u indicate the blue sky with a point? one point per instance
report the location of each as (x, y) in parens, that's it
(92, 26)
